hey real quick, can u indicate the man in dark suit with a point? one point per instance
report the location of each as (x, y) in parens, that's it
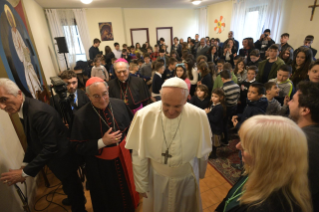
(231, 36)
(79, 97)
(202, 48)
(47, 143)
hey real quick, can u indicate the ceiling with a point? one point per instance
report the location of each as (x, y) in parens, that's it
(124, 3)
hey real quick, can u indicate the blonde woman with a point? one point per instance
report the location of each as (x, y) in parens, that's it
(274, 150)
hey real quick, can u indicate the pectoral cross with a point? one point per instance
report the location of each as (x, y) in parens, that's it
(166, 155)
(313, 9)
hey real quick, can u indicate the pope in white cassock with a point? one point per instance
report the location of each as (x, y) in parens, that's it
(23, 53)
(171, 142)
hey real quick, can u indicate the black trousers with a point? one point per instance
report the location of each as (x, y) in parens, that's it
(231, 111)
(72, 185)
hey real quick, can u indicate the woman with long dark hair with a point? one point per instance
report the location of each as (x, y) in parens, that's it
(230, 51)
(300, 64)
(212, 54)
(192, 74)
(287, 55)
(248, 46)
(108, 56)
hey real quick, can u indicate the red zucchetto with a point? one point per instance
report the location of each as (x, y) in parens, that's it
(93, 80)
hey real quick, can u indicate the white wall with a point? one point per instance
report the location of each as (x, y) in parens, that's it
(11, 157)
(183, 22)
(296, 22)
(214, 12)
(42, 38)
(100, 15)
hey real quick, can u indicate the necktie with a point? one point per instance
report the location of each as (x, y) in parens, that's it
(73, 99)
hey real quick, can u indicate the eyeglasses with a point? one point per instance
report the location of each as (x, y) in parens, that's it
(121, 72)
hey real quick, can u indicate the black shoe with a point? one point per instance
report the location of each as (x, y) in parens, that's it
(67, 202)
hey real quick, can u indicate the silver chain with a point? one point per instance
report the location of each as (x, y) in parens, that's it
(174, 134)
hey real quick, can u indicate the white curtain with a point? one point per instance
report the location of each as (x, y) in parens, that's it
(202, 23)
(62, 24)
(268, 18)
(56, 31)
(273, 18)
(238, 21)
(80, 17)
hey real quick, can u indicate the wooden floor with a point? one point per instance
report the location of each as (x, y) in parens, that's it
(213, 189)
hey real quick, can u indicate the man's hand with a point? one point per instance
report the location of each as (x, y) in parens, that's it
(286, 100)
(144, 195)
(207, 110)
(12, 177)
(111, 138)
(262, 37)
(235, 122)
(234, 118)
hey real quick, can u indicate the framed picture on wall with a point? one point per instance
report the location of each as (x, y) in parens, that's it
(106, 31)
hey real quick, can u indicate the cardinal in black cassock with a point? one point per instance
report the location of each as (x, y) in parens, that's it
(98, 133)
(132, 90)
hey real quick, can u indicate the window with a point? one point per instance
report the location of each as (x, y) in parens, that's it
(252, 19)
(78, 46)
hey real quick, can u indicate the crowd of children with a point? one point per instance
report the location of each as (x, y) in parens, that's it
(230, 84)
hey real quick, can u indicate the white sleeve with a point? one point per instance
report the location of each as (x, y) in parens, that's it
(100, 144)
(140, 170)
(195, 77)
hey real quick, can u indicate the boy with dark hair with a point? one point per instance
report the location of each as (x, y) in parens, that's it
(157, 81)
(284, 83)
(257, 104)
(254, 58)
(170, 71)
(268, 68)
(132, 54)
(163, 57)
(274, 107)
(146, 68)
(244, 86)
(283, 40)
(264, 43)
(117, 52)
(218, 83)
(126, 56)
(124, 46)
(307, 43)
(94, 50)
(155, 54)
(232, 93)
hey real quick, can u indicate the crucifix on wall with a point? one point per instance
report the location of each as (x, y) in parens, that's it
(313, 9)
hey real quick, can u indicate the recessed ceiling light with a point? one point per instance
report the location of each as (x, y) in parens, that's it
(196, 2)
(86, 1)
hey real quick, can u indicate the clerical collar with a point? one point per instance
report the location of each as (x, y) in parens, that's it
(20, 113)
(218, 103)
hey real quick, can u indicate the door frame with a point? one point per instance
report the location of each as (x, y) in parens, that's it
(171, 28)
(139, 29)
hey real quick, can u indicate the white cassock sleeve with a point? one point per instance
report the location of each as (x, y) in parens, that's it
(140, 170)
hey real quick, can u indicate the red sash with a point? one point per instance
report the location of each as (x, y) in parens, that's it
(119, 151)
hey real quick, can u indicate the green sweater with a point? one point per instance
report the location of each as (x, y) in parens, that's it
(218, 83)
(273, 71)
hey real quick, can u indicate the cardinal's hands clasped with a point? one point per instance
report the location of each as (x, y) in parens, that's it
(110, 137)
